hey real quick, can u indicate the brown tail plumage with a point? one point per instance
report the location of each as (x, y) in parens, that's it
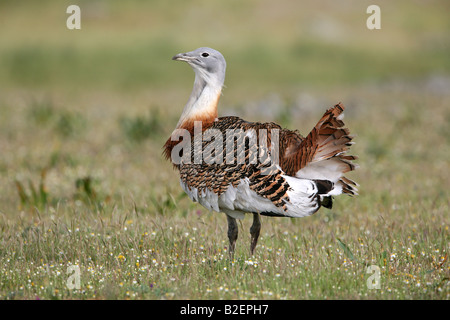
(322, 154)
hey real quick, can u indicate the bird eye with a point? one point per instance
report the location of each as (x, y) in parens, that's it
(205, 54)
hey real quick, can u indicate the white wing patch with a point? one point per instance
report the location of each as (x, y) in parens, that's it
(303, 197)
(236, 201)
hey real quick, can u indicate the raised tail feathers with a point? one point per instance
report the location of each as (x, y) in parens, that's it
(322, 155)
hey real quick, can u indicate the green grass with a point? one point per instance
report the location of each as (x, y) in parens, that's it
(84, 115)
(125, 252)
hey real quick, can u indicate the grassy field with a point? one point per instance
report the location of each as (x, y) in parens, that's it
(84, 114)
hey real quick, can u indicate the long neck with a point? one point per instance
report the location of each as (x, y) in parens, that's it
(202, 103)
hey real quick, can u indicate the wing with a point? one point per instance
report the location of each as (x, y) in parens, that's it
(238, 171)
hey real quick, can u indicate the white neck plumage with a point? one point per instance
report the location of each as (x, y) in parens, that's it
(202, 103)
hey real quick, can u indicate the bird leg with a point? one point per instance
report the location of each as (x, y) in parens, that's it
(232, 234)
(254, 232)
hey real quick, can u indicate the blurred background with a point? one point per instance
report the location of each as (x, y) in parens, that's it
(94, 106)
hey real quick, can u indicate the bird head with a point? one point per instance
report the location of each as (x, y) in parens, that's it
(208, 64)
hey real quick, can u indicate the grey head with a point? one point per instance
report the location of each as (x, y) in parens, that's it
(209, 64)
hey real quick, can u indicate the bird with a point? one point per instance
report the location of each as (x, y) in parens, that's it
(238, 167)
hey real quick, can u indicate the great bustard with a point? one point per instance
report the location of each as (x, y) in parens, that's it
(233, 166)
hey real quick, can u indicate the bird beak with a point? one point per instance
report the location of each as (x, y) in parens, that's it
(183, 57)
